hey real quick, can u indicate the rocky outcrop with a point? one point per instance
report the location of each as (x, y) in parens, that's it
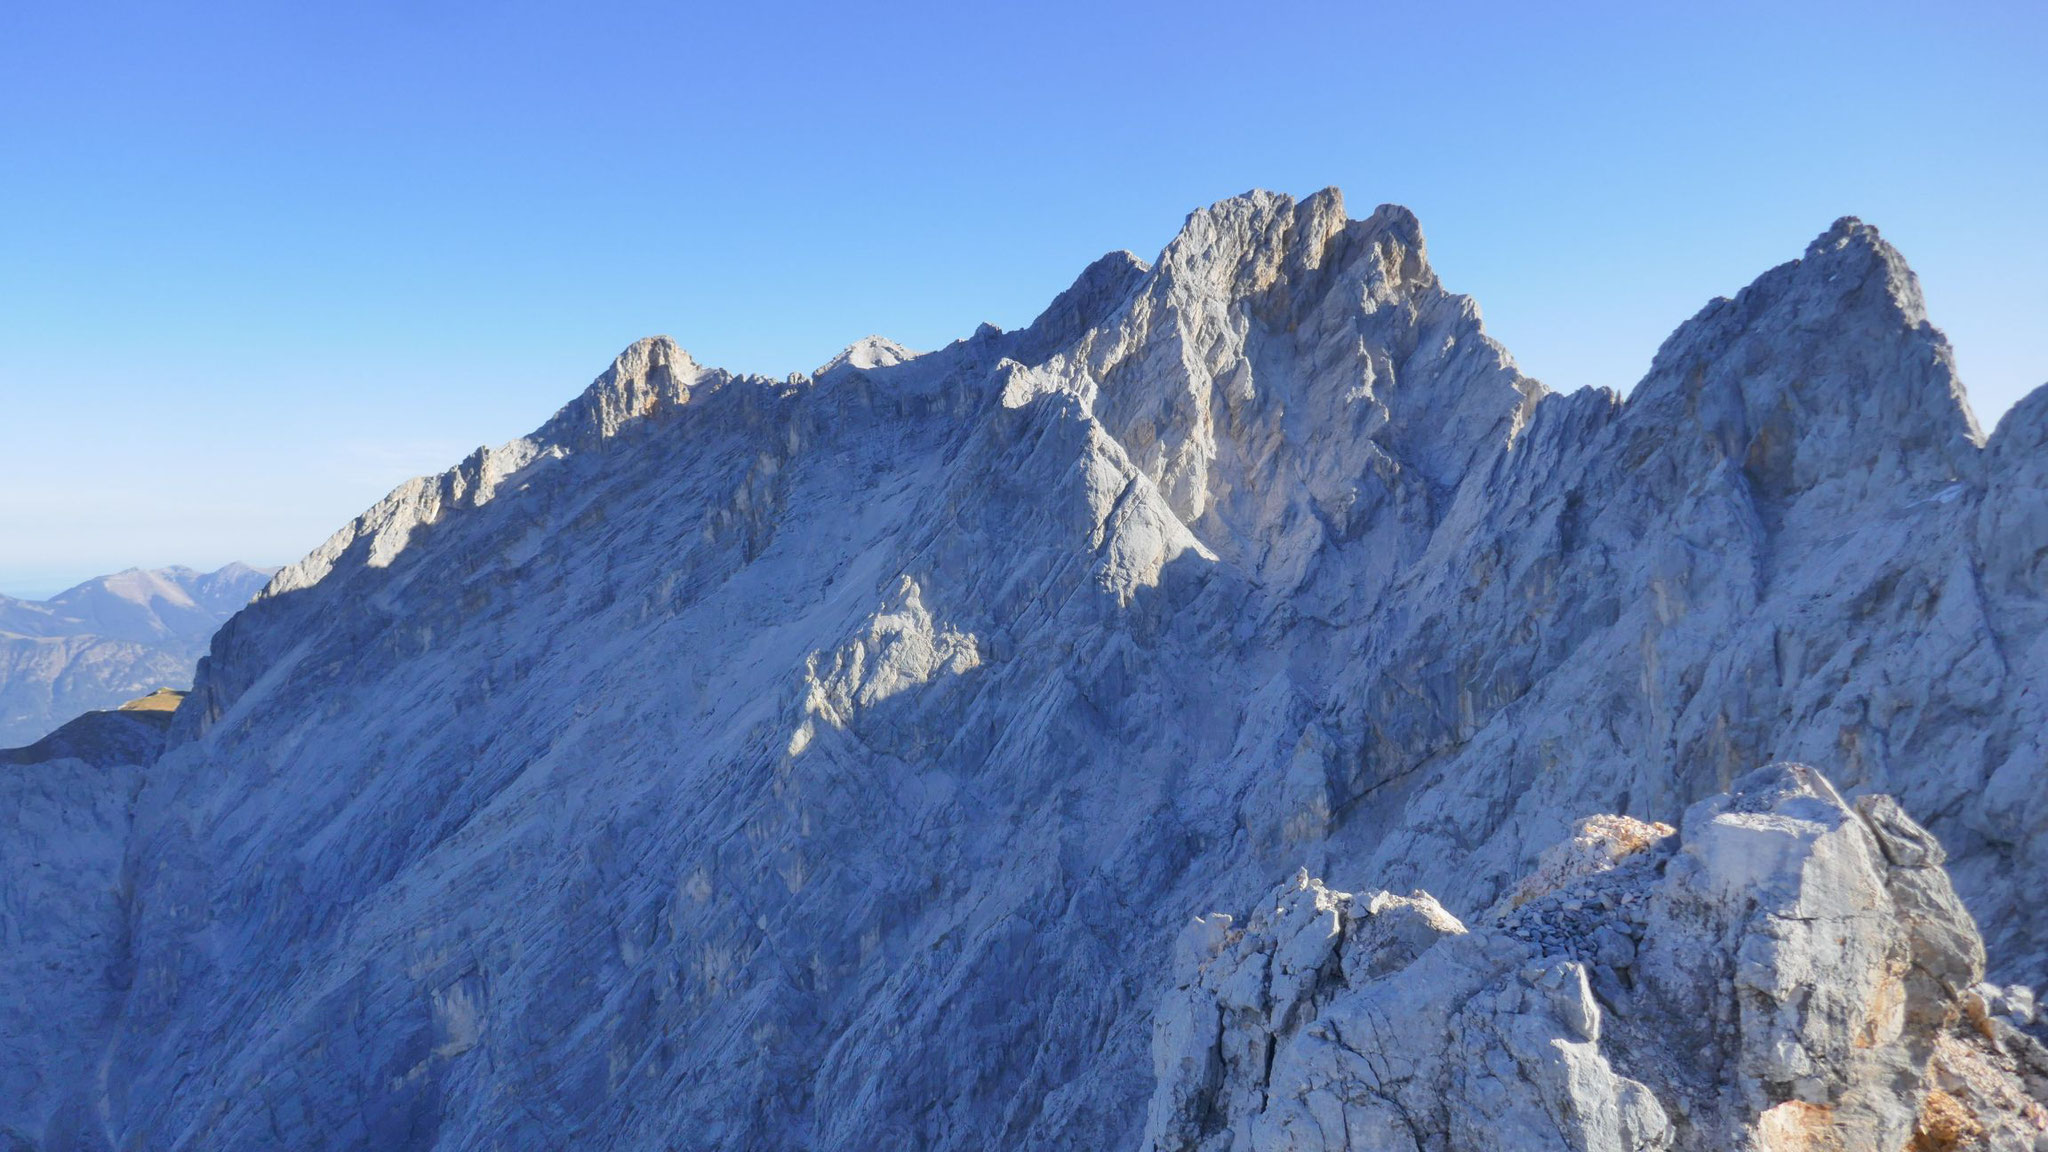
(830, 761)
(108, 640)
(1788, 972)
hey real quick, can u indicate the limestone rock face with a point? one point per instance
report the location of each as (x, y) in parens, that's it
(64, 926)
(1788, 972)
(834, 760)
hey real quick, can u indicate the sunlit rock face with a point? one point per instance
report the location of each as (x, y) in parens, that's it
(833, 761)
(1789, 972)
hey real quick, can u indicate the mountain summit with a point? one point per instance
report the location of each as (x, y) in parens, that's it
(836, 760)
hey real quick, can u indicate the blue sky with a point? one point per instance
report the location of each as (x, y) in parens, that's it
(260, 262)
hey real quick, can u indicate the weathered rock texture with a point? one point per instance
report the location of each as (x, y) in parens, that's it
(66, 804)
(109, 639)
(1787, 973)
(831, 761)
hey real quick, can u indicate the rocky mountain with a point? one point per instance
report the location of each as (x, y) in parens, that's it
(110, 639)
(835, 761)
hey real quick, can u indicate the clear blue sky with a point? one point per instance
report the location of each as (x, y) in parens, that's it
(260, 262)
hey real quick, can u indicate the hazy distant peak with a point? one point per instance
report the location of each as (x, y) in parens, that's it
(109, 639)
(868, 352)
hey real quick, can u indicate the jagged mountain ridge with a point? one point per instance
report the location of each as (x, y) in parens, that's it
(110, 638)
(830, 761)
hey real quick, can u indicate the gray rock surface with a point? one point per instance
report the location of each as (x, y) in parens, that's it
(833, 761)
(1786, 973)
(108, 640)
(64, 924)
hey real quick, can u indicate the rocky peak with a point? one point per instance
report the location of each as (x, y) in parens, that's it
(1268, 244)
(1289, 377)
(1821, 378)
(2013, 519)
(2023, 431)
(1101, 288)
(866, 353)
(653, 374)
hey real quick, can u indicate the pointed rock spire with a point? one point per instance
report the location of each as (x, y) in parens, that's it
(651, 374)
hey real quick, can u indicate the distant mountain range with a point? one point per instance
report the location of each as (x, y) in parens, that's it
(108, 640)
